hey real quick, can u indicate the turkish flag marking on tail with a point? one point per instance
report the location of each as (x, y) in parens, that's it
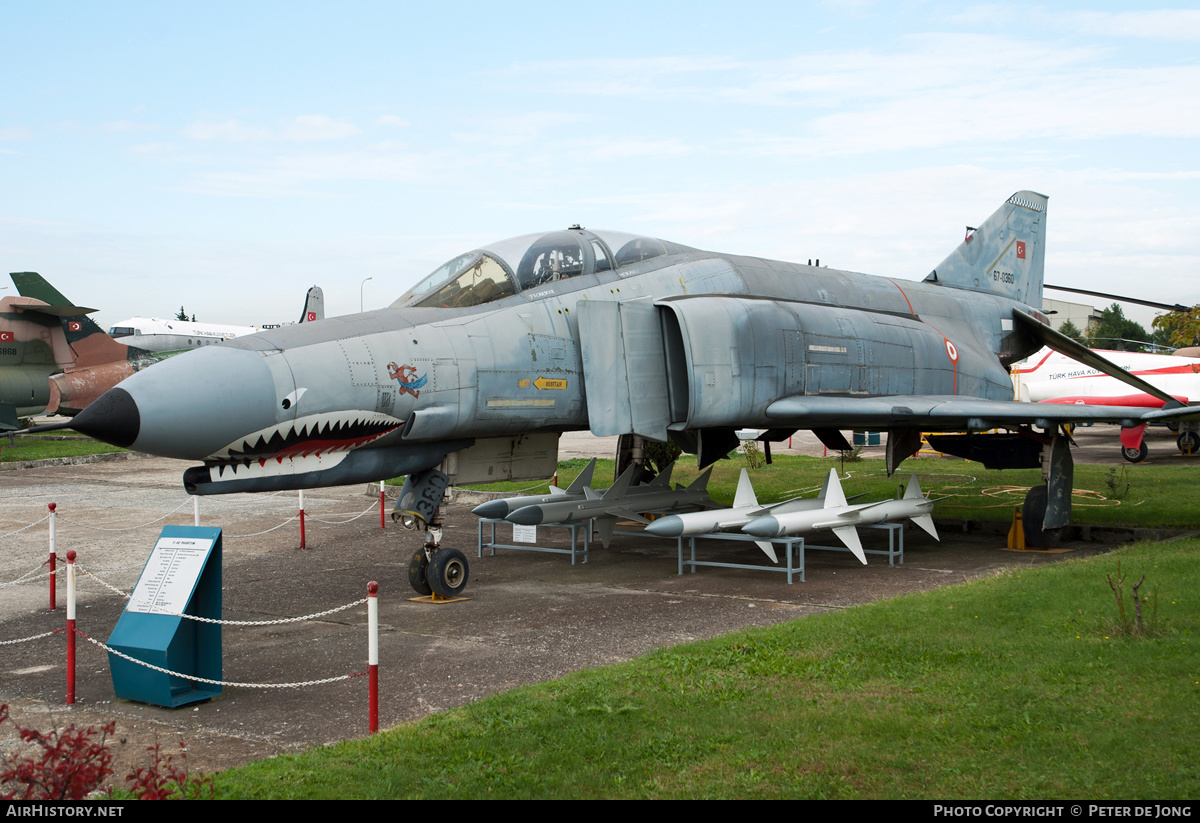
(312, 315)
(74, 325)
(1020, 249)
(6, 337)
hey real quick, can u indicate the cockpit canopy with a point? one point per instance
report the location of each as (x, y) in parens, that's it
(524, 263)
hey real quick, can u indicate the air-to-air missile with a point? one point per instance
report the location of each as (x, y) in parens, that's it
(745, 508)
(500, 508)
(841, 518)
(619, 502)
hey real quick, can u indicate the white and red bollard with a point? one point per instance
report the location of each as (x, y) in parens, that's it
(382, 505)
(373, 654)
(71, 628)
(53, 557)
(302, 518)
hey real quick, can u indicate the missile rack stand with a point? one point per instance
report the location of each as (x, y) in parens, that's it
(574, 528)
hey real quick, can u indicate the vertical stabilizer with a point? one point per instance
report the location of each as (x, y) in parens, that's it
(1006, 255)
(314, 305)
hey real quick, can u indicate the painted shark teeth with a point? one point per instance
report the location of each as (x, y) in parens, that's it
(308, 436)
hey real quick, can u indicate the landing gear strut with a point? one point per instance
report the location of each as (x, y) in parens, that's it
(432, 570)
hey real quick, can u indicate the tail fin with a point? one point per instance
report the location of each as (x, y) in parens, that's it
(1005, 256)
(314, 305)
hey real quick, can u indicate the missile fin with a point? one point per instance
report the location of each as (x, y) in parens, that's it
(769, 548)
(849, 536)
(584, 479)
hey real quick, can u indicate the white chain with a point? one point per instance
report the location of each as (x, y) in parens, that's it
(22, 578)
(370, 508)
(273, 528)
(130, 528)
(276, 622)
(34, 637)
(218, 682)
(23, 528)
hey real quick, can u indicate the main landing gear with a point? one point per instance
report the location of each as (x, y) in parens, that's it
(433, 570)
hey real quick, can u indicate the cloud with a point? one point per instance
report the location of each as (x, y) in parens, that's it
(392, 120)
(318, 127)
(229, 130)
(1157, 24)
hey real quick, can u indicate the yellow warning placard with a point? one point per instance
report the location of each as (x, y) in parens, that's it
(550, 383)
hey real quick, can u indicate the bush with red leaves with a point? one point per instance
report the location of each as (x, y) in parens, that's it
(163, 780)
(70, 764)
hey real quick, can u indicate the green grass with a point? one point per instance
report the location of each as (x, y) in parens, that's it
(1013, 686)
(32, 448)
(1158, 496)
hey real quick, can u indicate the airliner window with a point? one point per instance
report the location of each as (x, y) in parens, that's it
(552, 257)
(120, 331)
(482, 281)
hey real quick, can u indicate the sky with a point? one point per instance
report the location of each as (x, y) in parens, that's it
(225, 156)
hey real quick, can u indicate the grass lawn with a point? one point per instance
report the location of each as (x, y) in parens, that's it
(34, 448)
(1020, 685)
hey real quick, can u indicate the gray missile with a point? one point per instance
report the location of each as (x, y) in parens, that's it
(502, 507)
(619, 502)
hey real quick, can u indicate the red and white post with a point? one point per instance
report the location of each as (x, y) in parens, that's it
(71, 628)
(302, 518)
(53, 559)
(382, 505)
(373, 654)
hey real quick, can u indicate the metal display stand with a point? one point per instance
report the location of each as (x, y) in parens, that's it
(793, 552)
(182, 576)
(894, 551)
(574, 528)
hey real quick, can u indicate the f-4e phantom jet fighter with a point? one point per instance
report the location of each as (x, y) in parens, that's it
(475, 371)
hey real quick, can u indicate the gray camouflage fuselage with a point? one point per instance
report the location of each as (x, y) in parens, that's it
(683, 341)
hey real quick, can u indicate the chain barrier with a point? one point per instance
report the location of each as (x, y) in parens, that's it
(275, 622)
(368, 510)
(196, 679)
(33, 637)
(265, 531)
(22, 578)
(128, 528)
(23, 528)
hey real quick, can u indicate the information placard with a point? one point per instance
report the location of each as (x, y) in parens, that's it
(170, 575)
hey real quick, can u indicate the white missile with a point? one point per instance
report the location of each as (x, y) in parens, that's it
(745, 508)
(842, 519)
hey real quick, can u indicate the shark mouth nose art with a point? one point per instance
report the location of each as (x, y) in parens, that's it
(329, 436)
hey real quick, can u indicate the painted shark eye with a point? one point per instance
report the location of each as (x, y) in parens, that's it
(293, 398)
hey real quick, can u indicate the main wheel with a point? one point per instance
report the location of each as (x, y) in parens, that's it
(1033, 514)
(1188, 443)
(448, 573)
(418, 573)
(1135, 455)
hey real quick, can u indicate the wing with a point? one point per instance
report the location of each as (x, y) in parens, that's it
(952, 412)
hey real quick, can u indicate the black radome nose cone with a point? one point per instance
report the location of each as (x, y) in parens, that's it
(113, 417)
